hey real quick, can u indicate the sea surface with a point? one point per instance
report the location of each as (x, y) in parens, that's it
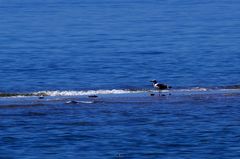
(54, 54)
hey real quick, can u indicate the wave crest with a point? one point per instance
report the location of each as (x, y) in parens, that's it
(88, 92)
(120, 91)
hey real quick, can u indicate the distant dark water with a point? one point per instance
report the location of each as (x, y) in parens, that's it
(78, 45)
(91, 45)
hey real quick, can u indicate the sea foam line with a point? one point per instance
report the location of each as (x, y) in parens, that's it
(88, 92)
(117, 91)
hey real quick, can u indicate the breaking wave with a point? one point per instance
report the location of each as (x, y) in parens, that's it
(89, 92)
(118, 91)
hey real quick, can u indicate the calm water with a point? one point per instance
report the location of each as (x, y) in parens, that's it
(90, 45)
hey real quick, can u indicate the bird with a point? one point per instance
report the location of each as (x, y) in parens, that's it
(160, 86)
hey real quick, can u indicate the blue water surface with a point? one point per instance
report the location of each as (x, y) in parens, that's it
(120, 44)
(75, 45)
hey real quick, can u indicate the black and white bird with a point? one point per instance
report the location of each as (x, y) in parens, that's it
(159, 86)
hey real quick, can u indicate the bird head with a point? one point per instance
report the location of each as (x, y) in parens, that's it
(153, 81)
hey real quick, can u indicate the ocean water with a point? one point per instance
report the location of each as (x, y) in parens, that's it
(68, 50)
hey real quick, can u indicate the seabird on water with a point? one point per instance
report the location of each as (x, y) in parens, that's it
(160, 86)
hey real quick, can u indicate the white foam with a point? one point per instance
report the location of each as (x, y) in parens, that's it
(89, 92)
(106, 92)
(194, 89)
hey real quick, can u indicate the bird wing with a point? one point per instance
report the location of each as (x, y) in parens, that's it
(161, 86)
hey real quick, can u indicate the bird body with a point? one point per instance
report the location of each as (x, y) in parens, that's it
(159, 86)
